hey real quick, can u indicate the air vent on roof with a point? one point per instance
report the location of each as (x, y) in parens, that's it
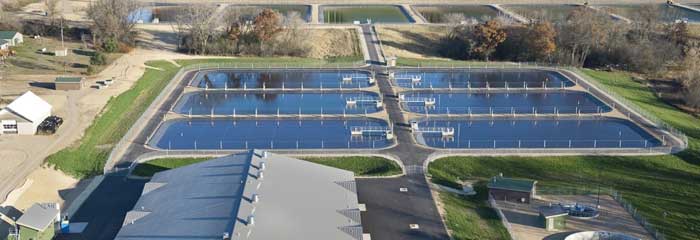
(226, 236)
(251, 220)
(256, 198)
(260, 175)
(262, 165)
(264, 154)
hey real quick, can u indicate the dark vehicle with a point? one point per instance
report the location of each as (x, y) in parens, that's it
(55, 119)
(49, 125)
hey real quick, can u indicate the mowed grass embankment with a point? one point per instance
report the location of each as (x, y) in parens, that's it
(663, 188)
(361, 166)
(276, 62)
(87, 157)
(148, 169)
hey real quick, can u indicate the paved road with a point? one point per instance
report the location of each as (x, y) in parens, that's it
(389, 210)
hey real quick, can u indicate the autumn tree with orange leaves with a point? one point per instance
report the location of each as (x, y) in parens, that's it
(540, 40)
(487, 36)
(266, 25)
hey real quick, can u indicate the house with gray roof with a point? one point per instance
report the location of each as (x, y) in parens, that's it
(249, 196)
(38, 221)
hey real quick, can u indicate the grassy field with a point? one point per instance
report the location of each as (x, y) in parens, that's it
(419, 62)
(361, 166)
(148, 169)
(470, 217)
(30, 59)
(663, 188)
(87, 157)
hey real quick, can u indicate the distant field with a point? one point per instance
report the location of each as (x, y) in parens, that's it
(414, 41)
(30, 59)
(361, 166)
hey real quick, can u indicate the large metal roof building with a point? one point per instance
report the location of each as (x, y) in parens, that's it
(254, 195)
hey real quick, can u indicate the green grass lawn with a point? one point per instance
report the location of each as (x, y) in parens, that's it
(654, 184)
(470, 217)
(30, 60)
(277, 62)
(87, 157)
(361, 166)
(148, 169)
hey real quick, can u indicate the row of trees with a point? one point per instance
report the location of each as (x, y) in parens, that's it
(586, 38)
(239, 33)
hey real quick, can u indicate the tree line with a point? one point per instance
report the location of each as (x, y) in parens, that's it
(587, 38)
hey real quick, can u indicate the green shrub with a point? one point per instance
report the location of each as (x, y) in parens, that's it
(110, 45)
(98, 59)
(91, 70)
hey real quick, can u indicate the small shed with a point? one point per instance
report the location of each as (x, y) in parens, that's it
(38, 221)
(511, 189)
(553, 217)
(68, 83)
(13, 38)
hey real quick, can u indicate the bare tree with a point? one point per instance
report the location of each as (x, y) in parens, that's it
(293, 40)
(582, 32)
(196, 23)
(455, 18)
(51, 7)
(691, 79)
(112, 19)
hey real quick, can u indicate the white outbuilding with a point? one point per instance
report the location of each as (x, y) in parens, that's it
(24, 115)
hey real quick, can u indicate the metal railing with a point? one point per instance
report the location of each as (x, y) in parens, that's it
(238, 65)
(637, 215)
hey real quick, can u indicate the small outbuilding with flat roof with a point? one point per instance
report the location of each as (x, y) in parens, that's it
(553, 217)
(512, 189)
(68, 83)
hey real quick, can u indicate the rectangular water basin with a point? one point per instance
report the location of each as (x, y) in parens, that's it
(230, 134)
(665, 12)
(363, 14)
(481, 78)
(552, 12)
(540, 133)
(249, 12)
(440, 13)
(520, 102)
(274, 102)
(287, 79)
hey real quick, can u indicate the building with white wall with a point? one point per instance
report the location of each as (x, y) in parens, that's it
(24, 115)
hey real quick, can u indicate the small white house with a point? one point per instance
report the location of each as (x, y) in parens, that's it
(24, 115)
(13, 38)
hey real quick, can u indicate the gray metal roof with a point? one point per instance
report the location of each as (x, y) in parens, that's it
(199, 201)
(297, 200)
(39, 216)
